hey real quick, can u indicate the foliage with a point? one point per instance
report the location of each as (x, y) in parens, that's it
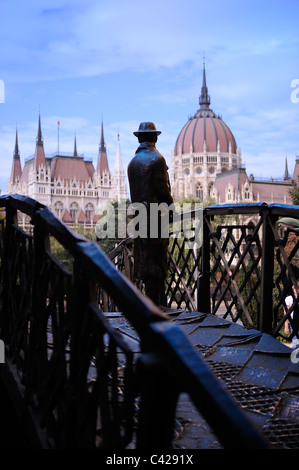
(282, 282)
(61, 254)
(247, 287)
(294, 192)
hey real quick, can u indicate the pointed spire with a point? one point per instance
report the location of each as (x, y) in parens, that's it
(102, 165)
(286, 172)
(39, 139)
(75, 147)
(16, 152)
(16, 170)
(118, 161)
(204, 99)
(39, 156)
(102, 144)
(119, 175)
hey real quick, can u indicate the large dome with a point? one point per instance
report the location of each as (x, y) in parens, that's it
(205, 126)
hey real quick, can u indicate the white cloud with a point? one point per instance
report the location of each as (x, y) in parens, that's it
(251, 57)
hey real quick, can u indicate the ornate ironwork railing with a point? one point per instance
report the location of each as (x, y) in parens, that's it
(79, 383)
(243, 271)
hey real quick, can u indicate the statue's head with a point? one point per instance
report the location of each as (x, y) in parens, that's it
(147, 132)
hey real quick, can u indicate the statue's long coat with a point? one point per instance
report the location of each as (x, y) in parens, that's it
(149, 183)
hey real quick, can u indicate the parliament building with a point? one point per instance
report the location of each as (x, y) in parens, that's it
(206, 163)
(68, 184)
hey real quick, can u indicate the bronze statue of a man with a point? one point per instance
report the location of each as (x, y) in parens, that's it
(149, 183)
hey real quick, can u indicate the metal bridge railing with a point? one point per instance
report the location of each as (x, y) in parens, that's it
(79, 384)
(246, 267)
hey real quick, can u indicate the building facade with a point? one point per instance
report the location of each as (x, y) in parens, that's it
(68, 184)
(236, 187)
(206, 162)
(204, 148)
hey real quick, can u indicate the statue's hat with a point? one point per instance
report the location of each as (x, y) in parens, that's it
(147, 127)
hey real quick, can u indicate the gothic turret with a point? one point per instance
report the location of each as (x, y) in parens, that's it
(102, 166)
(16, 170)
(119, 175)
(75, 147)
(286, 171)
(204, 99)
(39, 156)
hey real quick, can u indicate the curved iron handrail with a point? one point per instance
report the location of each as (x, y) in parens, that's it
(171, 349)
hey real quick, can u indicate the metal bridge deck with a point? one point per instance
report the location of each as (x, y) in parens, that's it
(253, 366)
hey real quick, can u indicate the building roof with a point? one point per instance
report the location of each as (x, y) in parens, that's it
(296, 171)
(66, 216)
(80, 216)
(70, 168)
(205, 126)
(271, 192)
(236, 177)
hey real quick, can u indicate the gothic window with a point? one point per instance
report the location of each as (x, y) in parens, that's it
(210, 189)
(198, 170)
(212, 170)
(199, 192)
(58, 206)
(229, 195)
(88, 210)
(187, 171)
(73, 209)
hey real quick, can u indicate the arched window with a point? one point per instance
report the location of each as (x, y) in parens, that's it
(58, 207)
(73, 209)
(199, 192)
(229, 195)
(88, 210)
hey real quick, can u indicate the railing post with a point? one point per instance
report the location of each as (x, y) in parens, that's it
(203, 281)
(37, 347)
(267, 271)
(11, 218)
(158, 400)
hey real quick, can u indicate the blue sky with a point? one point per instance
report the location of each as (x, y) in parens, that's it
(79, 62)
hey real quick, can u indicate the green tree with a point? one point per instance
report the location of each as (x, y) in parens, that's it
(294, 192)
